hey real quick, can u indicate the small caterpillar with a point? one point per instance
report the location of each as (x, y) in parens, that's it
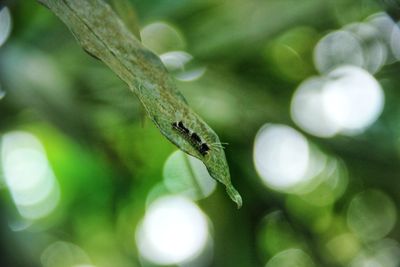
(193, 138)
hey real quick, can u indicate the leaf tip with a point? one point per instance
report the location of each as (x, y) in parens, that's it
(234, 195)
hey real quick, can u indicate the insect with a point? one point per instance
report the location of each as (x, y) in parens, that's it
(181, 128)
(192, 137)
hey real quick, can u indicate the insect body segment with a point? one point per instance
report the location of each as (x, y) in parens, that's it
(193, 138)
(204, 148)
(181, 128)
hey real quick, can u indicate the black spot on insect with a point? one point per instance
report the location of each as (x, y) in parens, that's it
(196, 138)
(204, 149)
(183, 128)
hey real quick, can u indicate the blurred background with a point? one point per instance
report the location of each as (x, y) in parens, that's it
(306, 93)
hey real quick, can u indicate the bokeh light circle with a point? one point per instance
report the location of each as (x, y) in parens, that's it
(336, 49)
(177, 62)
(307, 109)
(371, 215)
(374, 50)
(281, 156)
(343, 248)
(330, 184)
(161, 37)
(347, 101)
(28, 175)
(352, 99)
(395, 42)
(386, 28)
(2, 93)
(187, 175)
(64, 254)
(173, 231)
(384, 253)
(291, 258)
(5, 24)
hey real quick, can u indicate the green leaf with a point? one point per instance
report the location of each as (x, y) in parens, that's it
(102, 34)
(127, 13)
